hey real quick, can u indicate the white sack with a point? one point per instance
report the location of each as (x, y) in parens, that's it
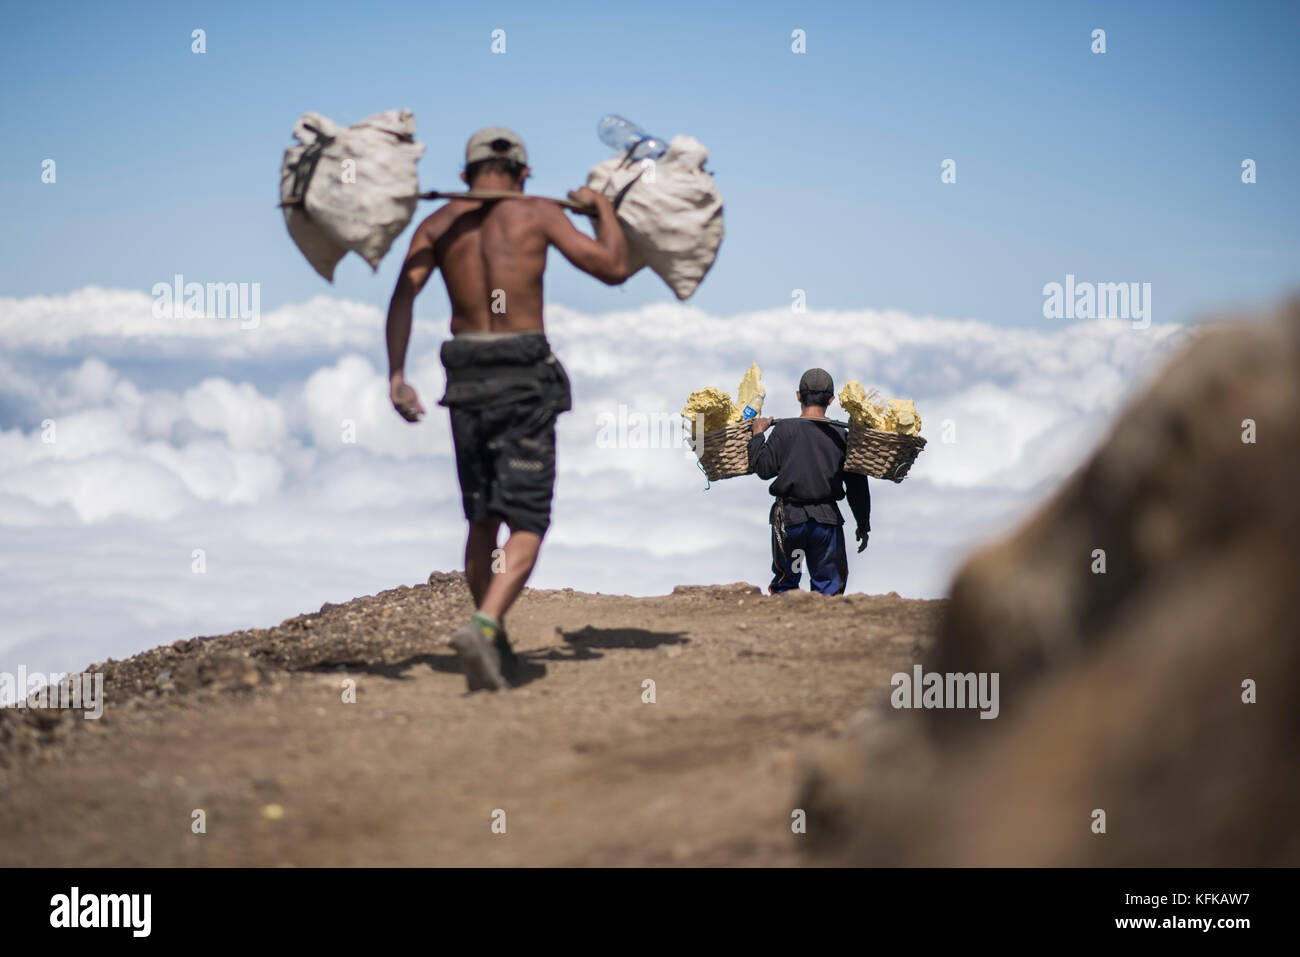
(671, 214)
(362, 205)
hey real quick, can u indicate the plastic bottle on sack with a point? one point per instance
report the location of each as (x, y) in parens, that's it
(623, 136)
(753, 407)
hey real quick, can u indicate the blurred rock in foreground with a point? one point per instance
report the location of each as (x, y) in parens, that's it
(1123, 691)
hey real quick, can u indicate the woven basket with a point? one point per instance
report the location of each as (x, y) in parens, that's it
(879, 454)
(725, 452)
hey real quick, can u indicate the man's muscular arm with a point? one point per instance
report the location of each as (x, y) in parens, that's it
(416, 270)
(604, 257)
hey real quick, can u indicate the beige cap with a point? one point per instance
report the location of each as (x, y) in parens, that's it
(495, 141)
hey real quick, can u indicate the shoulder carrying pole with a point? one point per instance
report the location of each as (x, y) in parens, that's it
(486, 194)
(481, 194)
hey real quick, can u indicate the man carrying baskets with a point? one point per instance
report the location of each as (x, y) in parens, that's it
(806, 457)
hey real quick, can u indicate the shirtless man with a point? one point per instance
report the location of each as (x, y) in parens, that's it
(504, 387)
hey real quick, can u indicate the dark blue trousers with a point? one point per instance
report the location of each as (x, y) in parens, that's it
(817, 547)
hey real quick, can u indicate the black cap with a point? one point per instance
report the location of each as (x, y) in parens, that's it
(816, 380)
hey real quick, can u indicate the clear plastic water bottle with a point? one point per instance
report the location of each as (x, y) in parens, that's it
(754, 407)
(623, 136)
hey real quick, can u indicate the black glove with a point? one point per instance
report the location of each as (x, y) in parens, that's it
(862, 539)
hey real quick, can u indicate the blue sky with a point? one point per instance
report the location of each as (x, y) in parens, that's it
(1116, 167)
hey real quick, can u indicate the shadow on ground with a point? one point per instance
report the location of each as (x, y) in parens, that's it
(528, 671)
(586, 643)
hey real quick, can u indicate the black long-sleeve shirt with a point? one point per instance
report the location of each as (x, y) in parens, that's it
(806, 456)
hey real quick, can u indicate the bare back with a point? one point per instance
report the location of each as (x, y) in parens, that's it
(492, 256)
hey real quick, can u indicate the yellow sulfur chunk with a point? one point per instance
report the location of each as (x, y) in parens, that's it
(902, 417)
(886, 415)
(714, 408)
(862, 407)
(750, 386)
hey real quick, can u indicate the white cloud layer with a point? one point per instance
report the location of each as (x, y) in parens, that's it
(128, 442)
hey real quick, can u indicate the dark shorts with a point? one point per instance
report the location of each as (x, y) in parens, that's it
(504, 395)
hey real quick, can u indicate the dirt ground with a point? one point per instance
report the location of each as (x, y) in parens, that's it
(253, 730)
